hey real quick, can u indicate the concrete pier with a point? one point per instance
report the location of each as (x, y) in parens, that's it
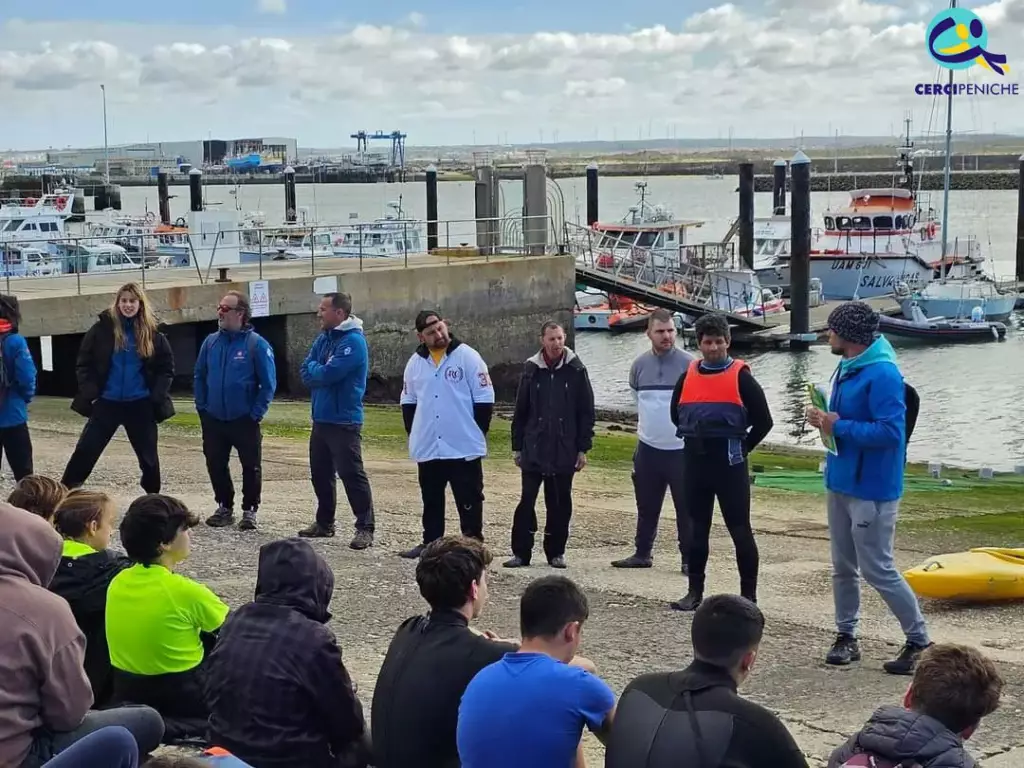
(931, 181)
(496, 305)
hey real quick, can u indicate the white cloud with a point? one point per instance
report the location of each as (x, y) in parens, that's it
(272, 6)
(763, 72)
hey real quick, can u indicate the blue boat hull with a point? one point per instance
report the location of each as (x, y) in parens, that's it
(995, 308)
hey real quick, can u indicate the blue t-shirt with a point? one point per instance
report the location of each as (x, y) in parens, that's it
(529, 709)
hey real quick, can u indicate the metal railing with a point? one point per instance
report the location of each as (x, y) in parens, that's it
(314, 248)
(695, 273)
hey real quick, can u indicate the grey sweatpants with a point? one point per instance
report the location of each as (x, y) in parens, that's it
(862, 534)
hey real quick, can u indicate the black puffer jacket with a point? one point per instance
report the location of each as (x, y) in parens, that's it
(899, 734)
(93, 366)
(554, 416)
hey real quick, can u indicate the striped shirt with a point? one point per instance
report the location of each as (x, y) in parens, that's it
(651, 380)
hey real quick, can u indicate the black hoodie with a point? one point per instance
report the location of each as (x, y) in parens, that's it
(902, 735)
(279, 694)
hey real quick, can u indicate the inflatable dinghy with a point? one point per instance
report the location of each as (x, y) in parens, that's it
(983, 573)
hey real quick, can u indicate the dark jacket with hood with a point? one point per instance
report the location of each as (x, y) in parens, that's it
(95, 356)
(41, 647)
(279, 694)
(654, 722)
(83, 582)
(902, 735)
(554, 414)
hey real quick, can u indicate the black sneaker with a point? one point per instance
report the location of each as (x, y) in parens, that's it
(691, 602)
(906, 660)
(248, 521)
(633, 561)
(844, 650)
(361, 540)
(317, 531)
(222, 518)
(558, 562)
(516, 562)
(414, 553)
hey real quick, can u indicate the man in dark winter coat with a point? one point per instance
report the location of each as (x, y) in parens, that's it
(552, 430)
(279, 694)
(954, 687)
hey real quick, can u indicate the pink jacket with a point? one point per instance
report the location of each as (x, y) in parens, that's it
(41, 647)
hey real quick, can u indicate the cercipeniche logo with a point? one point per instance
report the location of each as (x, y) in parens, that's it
(957, 39)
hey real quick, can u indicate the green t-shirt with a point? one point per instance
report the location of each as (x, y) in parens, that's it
(154, 618)
(74, 549)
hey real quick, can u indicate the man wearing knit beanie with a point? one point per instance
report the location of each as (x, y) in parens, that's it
(867, 416)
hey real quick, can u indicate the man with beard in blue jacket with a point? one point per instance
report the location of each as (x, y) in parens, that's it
(868, 417)
(234, 381)
(335, 370)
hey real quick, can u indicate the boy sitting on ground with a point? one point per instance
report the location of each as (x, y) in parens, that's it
(157, 620)
(86, 520)
(279, 693)
(954, 687)
(39, 495)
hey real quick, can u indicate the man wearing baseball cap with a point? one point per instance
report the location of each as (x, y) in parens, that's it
(867, 416)
(447, 401)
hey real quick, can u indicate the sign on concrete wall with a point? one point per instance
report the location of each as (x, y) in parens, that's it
(259, 298)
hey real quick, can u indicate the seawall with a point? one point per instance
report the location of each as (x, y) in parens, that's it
(929, 180)
(497, 306)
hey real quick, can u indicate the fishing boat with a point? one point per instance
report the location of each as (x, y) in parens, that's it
(392, 235)
(939, 329)
(282, 242)
(36, 220)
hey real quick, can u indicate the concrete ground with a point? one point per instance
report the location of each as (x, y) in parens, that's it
(631, 629)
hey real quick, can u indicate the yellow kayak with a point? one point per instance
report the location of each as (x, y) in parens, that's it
(983, 573)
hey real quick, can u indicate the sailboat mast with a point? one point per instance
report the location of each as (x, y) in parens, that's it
(945, 181)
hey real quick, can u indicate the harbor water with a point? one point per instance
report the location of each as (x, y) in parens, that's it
(969, 392)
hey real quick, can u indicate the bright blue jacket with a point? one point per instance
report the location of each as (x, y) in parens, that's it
(235, 375)
(335, 371)
(126, 380)
(21, 373)
(868, 394)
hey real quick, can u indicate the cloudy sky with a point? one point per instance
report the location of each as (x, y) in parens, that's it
(461, 71)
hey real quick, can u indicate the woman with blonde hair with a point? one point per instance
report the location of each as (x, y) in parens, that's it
(125, 368)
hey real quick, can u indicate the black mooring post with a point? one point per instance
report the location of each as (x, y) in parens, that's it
(779, 189)
(747, 214)
(163, 197)
(800, 251)
(290, 207)
(195, 190)
(591, 194)
(431, 208)
(1020, 223)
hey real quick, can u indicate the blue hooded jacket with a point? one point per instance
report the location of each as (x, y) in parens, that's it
(335, 370)
(868, 394)
(21, 375)
(126, 381)
(235, 375)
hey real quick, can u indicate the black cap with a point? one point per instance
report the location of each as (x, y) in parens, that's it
(424, 316)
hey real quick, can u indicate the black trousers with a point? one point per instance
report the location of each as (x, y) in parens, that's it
(335, 450)
(654, 472)
(16, 444)
(139, 422)
(558, 505)
(467, 481)
(706, 480)
(219, 438)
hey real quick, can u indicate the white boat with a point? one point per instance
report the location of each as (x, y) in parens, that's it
(133, 233)
(939, 329)
(977, 298)
(95, 258)
(27, 261)
(392, 235)
(36, 220)
(282, 242)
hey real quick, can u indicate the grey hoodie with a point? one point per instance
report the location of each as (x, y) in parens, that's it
(42, 650)
(896, 734)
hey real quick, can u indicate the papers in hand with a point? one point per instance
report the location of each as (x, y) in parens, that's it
(820, 401)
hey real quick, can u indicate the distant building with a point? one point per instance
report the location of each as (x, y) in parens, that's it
(140, 158)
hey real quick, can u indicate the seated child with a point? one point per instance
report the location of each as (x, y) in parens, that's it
(157, 620)
(38, 494)
(954, 687)
(86, 519)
